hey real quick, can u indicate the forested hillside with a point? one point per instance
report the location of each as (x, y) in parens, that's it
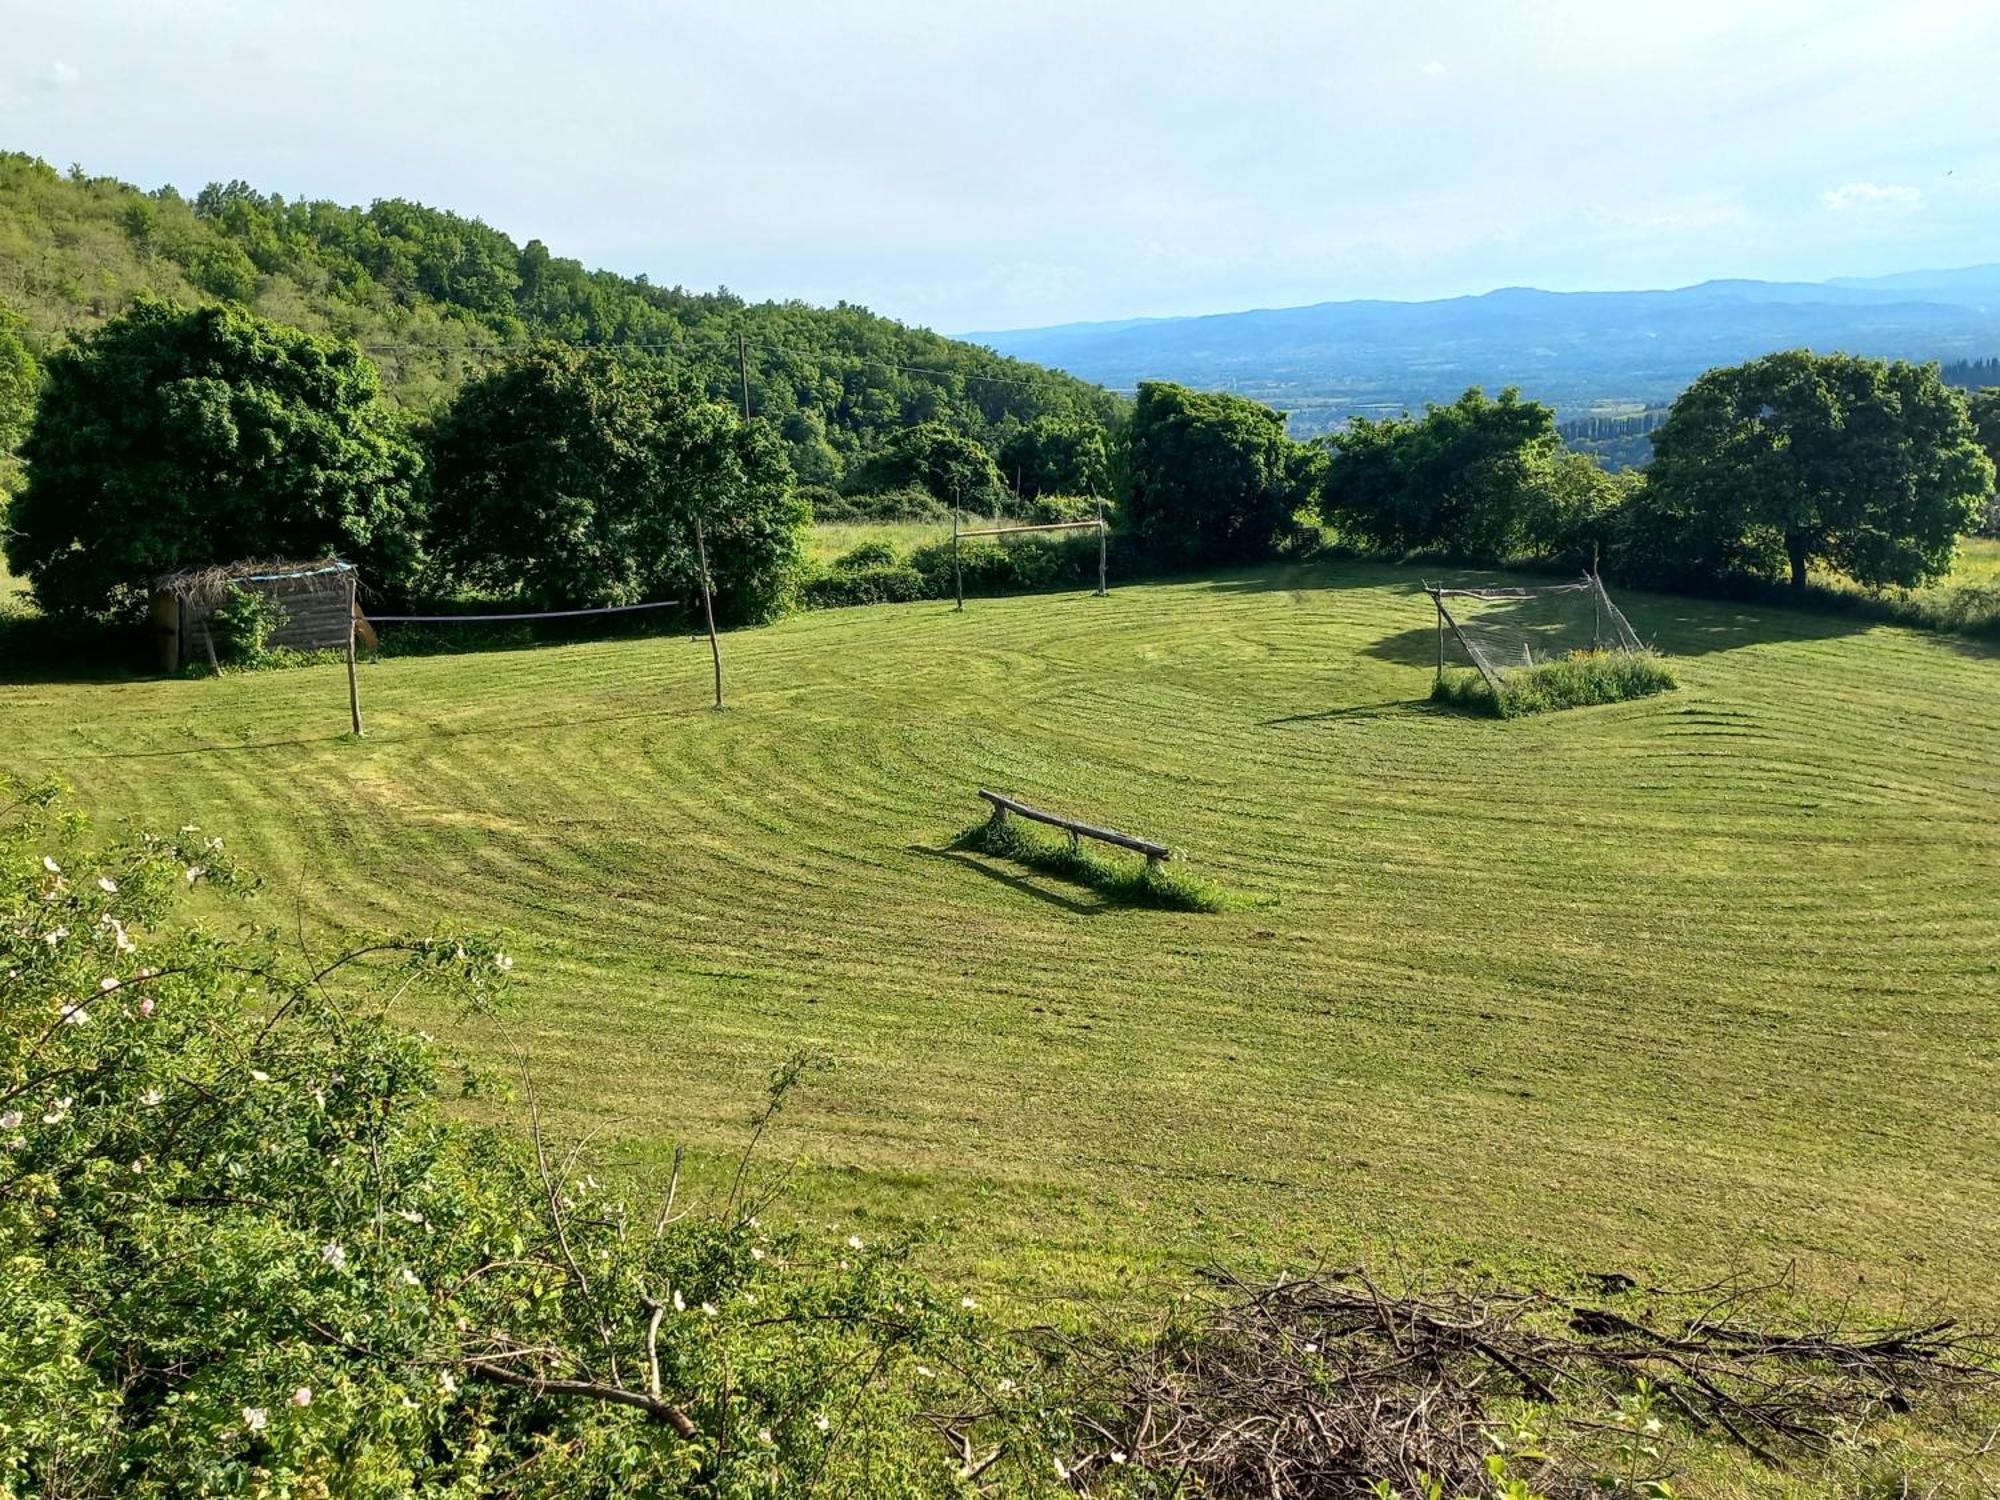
(428, 294)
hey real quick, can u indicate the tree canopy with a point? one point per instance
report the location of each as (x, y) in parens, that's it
(573, 479)
(1984, 406)
(1212, 477)
(174, 437)
(427, 293)
(1866, 466)
(20, 379)
(1057, 455)
(932, 456)
(1478, 478)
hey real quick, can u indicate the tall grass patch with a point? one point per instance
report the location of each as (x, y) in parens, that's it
(1580, 680)
(1163, 886)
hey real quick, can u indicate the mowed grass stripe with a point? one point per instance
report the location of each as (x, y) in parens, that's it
(1680, 983)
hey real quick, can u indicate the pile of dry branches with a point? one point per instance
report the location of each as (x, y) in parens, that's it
(1321, 1386)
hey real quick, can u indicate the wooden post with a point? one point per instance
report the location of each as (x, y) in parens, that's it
(1102, 587)
(743, 370)
(957, 577)
(708, 608)
(353, 682)
(1596, 609)
(1438, 604)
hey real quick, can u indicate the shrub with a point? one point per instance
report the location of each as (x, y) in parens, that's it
(1579, 680)
(875, 554)
(908, 503)
(1022, 565)
(242, 624)
(1166, 886)
(893, 583)
(1045, 510)
(244, 1250)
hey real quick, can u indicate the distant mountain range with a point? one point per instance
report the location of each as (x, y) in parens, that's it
(1583, 352)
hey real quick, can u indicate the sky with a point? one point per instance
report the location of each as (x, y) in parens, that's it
(1022, 162)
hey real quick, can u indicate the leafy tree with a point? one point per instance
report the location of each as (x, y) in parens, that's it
(572, 479)
(20, 378)
(1056, 455)
(173, 437)
(419, 286)
(932, 456)
(1984, 405)
(1212, 477)
(245, 1252)
(1867, 466)
(1473, 478)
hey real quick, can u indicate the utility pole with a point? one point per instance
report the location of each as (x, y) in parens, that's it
(743, 371)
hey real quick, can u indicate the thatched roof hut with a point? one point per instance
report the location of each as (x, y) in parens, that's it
(316, 598)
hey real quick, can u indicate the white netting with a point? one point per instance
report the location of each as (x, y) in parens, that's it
(1511, 630)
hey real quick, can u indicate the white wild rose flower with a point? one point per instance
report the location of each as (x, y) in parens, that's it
(256, 1418)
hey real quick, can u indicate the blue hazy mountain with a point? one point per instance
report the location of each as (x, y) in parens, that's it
(1581, 351)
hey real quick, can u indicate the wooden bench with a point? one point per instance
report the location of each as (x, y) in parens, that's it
(1156, 854)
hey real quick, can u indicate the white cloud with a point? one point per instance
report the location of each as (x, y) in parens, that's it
(1433, 69)
(1873, 197)
(59, 75)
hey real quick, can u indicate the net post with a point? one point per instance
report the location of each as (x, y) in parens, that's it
(957, 577)
(708, 608)
(353, 681)
(1102, 587)
(1437, 603)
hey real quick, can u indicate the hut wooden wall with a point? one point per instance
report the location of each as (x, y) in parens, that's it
(316, 615)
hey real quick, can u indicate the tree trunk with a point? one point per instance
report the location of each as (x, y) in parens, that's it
(1795, 547)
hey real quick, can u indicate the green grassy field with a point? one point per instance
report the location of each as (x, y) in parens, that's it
(1701, 982)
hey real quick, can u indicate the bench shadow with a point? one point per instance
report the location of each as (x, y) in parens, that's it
(1016, 882)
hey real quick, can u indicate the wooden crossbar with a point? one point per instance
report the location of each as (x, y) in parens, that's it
(1154, 853)
(1043, 526)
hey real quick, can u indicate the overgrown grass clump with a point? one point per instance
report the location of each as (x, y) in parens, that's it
(1579, 680)
(1164, 886)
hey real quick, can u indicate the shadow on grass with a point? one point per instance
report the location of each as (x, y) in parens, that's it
(1388, 708)
(972, 861)
(1673, 627)
(1160, 886)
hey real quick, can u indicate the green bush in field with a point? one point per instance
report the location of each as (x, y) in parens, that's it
(1048, 509)
(1166, 886)
(241, 627)
(1019, 565)
(884, 583)
(1580, 680)
(909, 503)
(873, 554)
(244, 1251)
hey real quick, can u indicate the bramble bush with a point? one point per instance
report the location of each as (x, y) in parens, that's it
(1583, 679)
(243, 1251)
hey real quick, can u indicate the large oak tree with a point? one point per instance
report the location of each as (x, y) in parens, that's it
(174, 437)
(1866, 466)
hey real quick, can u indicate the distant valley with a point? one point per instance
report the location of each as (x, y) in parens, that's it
(1586, 353)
